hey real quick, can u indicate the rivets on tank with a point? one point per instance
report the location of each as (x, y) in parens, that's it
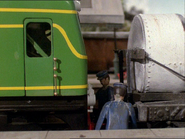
(175, 65)
(147, 88)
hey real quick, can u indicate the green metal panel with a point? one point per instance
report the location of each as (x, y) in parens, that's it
(38, 70)
(71, 71)
(11, 63)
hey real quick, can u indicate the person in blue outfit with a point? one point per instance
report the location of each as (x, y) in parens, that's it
(117, 112)
(105, 93)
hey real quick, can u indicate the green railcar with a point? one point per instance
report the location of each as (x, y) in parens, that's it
(43, 61)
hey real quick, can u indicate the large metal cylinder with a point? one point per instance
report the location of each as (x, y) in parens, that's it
(162, 37)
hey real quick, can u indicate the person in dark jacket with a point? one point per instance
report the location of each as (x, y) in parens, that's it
(105, 93)
(117, 112)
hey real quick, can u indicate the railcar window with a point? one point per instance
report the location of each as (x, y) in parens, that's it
(38, 39)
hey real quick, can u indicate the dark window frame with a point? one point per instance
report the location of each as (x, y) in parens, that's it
(37, 42)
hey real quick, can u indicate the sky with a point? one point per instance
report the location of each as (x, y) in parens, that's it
(158, 6)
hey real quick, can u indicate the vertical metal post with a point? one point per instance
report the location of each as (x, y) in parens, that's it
(55, 76)
(120, 53)
(129, 83)
(116, 60)
(115, 43)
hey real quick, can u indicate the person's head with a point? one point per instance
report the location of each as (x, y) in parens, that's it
(103, 77)
(120, 91)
